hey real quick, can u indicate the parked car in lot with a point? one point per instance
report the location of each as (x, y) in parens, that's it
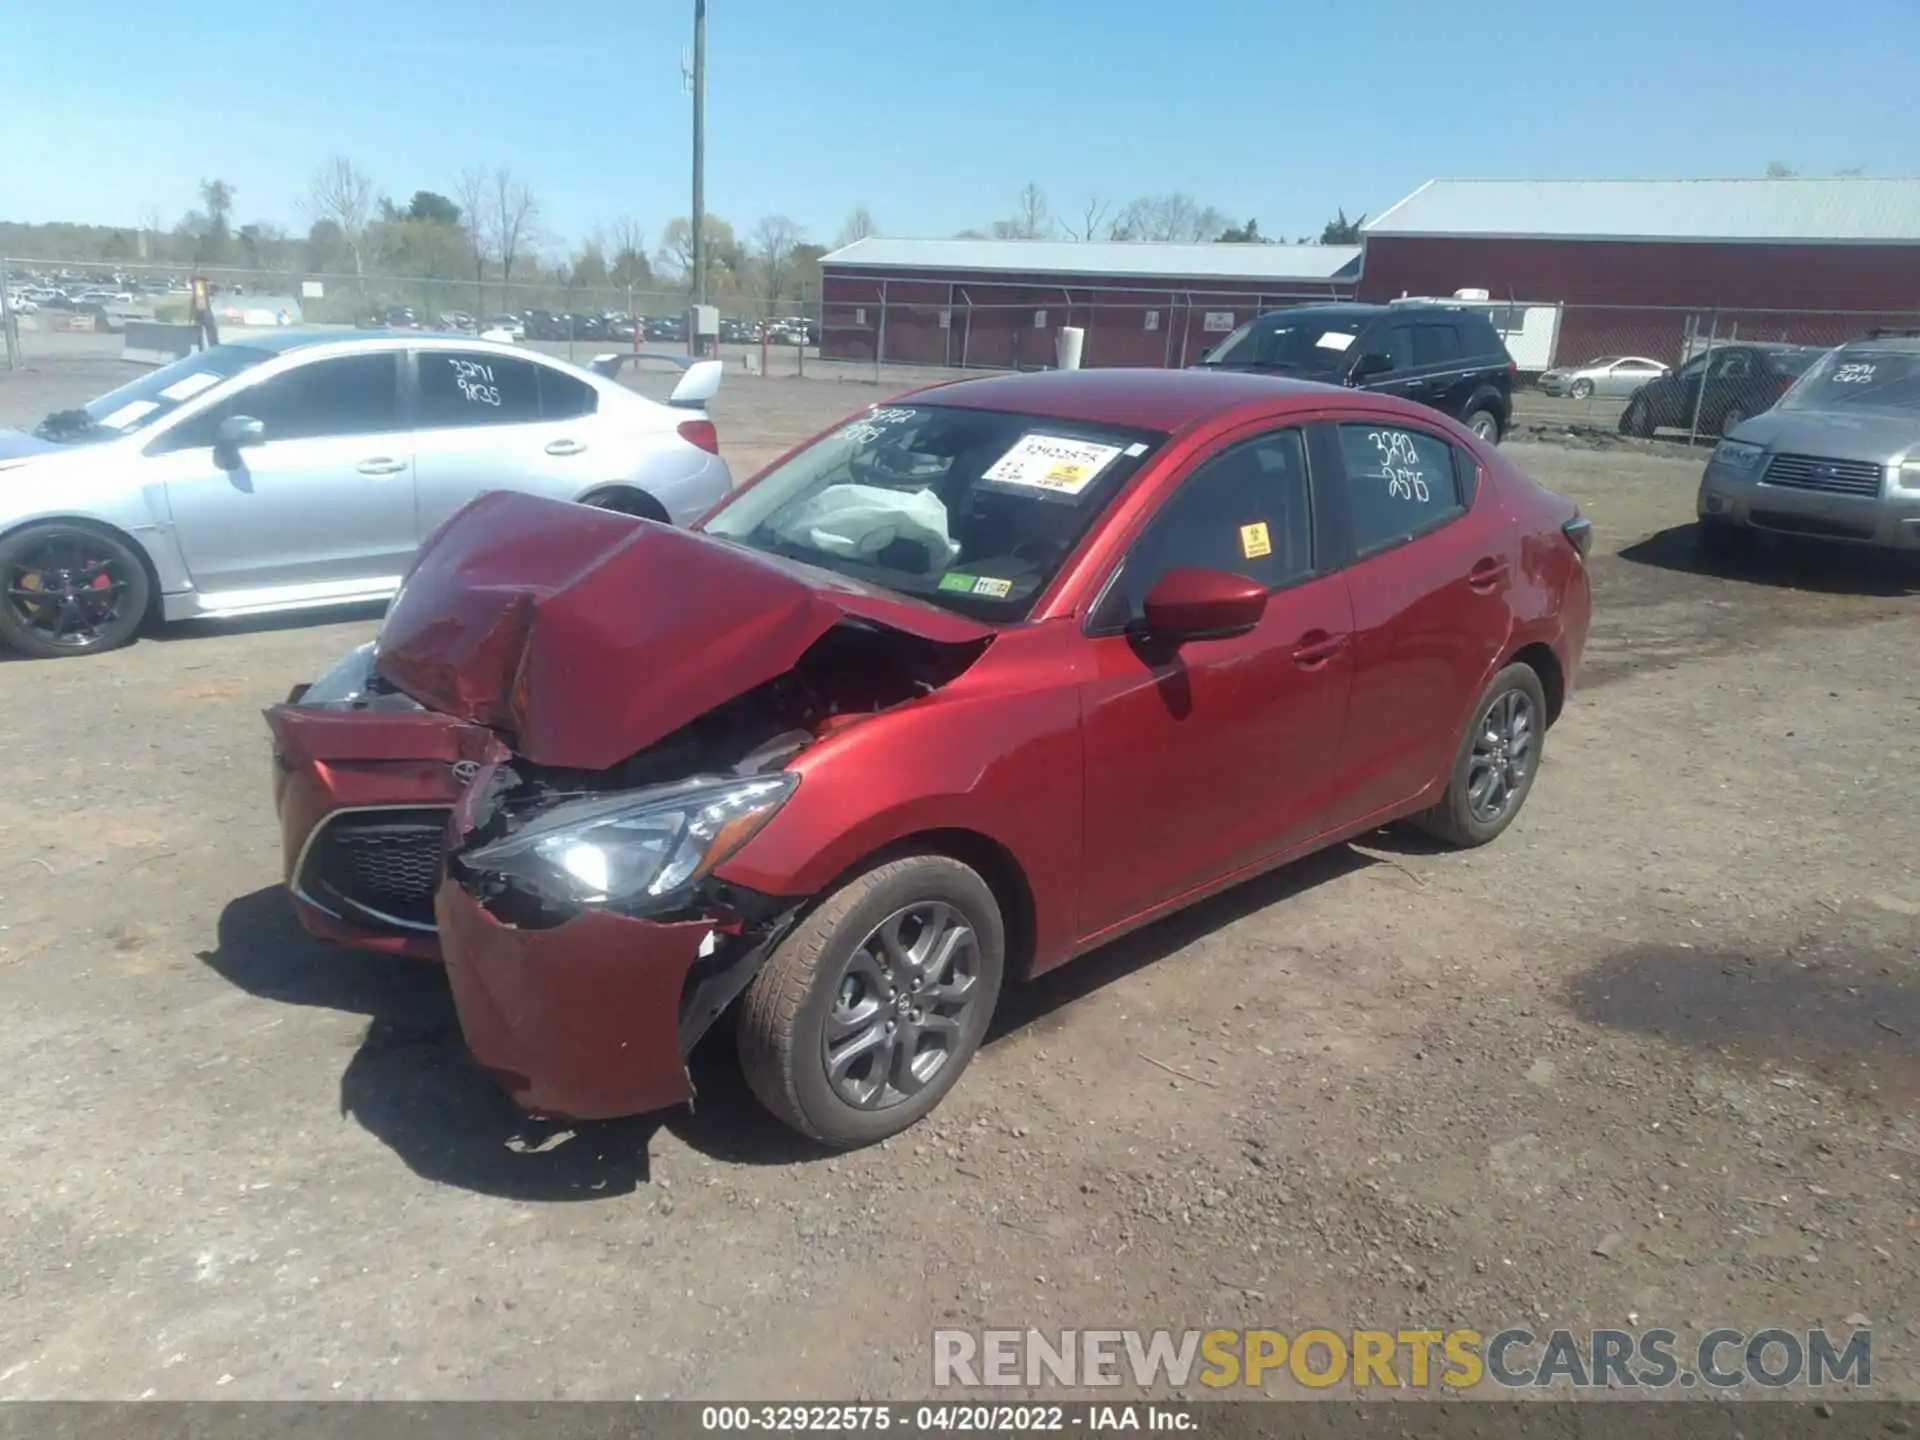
(1724, 385)
(1837, 458)
(302, 468)
(1446, 357)
(973, 683)
(1610, 375)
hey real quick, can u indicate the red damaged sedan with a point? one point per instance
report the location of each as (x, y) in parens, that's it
(980, 679)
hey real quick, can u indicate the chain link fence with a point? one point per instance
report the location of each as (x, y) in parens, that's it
(51, 303)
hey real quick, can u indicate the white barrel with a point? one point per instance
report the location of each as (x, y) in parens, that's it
(1068, 346)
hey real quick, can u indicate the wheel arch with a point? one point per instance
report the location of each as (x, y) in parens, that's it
(106, 527)
(1539, 658)
(631, 500)
(994, 863)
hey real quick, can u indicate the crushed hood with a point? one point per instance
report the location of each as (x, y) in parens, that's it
(584, 636)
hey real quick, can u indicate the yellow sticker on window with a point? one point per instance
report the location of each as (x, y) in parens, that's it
(1254, 541)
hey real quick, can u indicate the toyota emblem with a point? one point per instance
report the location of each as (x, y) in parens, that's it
(465, 770)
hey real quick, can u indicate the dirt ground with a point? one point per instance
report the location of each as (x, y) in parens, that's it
(1672, 1016)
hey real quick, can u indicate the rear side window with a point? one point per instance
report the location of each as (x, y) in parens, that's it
(1791, 362)
(460, 390)
(1401, 482)
(1435, 343)
(565, 397)
(1479, 340)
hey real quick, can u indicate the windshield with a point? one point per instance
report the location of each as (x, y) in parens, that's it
(972, 510)
(138, 403)
(1302, 344)
(1858, 379)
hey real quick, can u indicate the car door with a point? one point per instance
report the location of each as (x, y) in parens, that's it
(1626, 376)
(1202, 759)
(1429, 579)
(485, 421)
(1733, 383)
(322, 504)
(1672, 399)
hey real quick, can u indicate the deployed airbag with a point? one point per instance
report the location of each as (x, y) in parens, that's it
(860, 521)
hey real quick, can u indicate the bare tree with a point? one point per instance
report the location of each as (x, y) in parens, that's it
(859, 225)
(1092, 216)
(472, 192)
(629, 245)
(341, 192)
(772, 244)
(511, 217)
(1032, 218)
(1175, 217)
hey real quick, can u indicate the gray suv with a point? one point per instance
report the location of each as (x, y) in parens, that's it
(1838, 457)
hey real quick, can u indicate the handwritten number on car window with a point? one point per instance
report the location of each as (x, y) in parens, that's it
(475, 381)
(1400, 465)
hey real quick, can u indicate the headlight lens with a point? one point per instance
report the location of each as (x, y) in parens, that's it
(637, 847)
(1740, 456)
(1909, 476)
(344, 680)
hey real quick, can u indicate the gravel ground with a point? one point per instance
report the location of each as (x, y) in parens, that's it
(1671, 1017)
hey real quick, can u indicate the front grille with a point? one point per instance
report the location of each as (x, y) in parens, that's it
(378, 866)
(1832, 477)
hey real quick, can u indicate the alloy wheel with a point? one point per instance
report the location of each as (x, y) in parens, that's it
(66, 588)
(900, 1005)
(1503, 751)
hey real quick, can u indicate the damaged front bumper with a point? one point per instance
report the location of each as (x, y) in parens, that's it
(593, 1018)
(363, 800)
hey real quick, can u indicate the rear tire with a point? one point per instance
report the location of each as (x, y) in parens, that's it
(1493, 769)
(1637, 419)
(1486, 425)
(627, 501)
(833, 969)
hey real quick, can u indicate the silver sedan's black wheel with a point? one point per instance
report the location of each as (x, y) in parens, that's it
(865, 1015)
(1494, 768)
(69, 589)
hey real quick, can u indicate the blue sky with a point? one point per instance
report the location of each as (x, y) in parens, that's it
(933, 112)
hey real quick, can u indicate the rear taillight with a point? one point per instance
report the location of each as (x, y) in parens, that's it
(701, 433)
(1579, 533)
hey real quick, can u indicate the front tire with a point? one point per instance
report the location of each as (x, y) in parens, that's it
(1582, 390)
(69, 589)
(866, 1015)
(1486, 425)
(1498, 757)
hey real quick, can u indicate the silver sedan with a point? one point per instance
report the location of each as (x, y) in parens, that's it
(303, 469)
(1612, 375)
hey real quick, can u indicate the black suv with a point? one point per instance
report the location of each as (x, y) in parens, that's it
(1444, 356)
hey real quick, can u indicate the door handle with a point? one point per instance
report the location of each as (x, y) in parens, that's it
(1316, 648)
(565, 447)
(381, 465)
(1487, 574)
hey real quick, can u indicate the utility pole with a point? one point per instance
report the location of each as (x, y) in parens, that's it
(699, 158)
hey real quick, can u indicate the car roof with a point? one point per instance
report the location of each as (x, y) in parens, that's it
(281, 341)
(1164, 400)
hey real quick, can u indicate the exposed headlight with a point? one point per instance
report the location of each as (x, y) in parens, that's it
(1908, 477)
(350, 683)
(1739, 456)
(637, 847)
(344, 680)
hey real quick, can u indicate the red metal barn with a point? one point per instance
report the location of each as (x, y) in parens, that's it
(1634, 261)
(1002, 303)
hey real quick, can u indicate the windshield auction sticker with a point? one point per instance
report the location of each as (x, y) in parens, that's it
(1052, 463)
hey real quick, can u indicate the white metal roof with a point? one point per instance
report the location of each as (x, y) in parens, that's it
(1141, 259)
(1843, 209)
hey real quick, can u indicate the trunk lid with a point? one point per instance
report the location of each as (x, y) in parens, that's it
(584, 636)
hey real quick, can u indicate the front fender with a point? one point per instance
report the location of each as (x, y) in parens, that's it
(997, 753)
(84, 484)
